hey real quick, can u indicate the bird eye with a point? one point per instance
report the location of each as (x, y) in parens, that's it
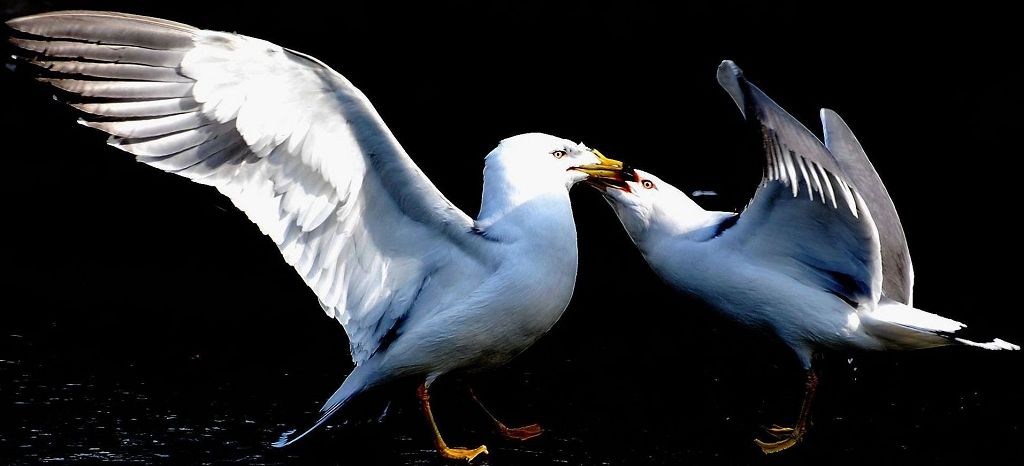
(647, 184)
(558, 154)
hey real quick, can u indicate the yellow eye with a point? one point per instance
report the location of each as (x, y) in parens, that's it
(647, 184)
(558, 154)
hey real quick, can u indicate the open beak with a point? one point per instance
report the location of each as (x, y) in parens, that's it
(607, 173)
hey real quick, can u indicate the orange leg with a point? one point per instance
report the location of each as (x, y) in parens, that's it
(442, 448)
(789, 436)
(515, 433)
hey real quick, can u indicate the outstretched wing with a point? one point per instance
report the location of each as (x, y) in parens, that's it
(807, 216)
(291, 142)
(897, 270)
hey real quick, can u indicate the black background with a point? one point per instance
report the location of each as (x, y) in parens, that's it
(146, 320)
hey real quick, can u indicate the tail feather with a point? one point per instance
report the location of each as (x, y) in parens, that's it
(902, 326)
(362, 378)
(996, 344)
(284, 440)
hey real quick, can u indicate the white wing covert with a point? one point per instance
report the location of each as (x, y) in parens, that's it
(291, 142)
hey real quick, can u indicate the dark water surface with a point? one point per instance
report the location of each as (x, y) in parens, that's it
(145, 321)
(64, 411)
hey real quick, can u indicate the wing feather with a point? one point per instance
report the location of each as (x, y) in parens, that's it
(897, 269)
(833, 243)
(291, 142)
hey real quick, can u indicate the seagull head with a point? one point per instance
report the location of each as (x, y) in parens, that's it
(545, 162)
(639, 198)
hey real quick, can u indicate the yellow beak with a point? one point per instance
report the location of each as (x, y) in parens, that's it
(605, 168)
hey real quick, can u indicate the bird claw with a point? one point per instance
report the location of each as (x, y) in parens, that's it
(787, 437)
(779, 432)
(522, 433)
(463, 453)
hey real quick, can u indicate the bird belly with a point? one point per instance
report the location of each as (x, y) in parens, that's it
(497, 321)
(532, 303)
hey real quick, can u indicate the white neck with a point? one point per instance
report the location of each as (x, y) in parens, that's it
(683, 218)
(680, 219)
(517, 200)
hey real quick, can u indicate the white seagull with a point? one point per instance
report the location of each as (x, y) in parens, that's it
(421, 289)
(818, 257)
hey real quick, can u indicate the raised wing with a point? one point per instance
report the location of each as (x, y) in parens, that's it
(897, 270)
(290, 142)
(806, 216)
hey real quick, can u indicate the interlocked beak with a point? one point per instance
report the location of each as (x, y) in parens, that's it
(607, 172)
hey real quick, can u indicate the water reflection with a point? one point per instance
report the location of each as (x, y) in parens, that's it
(127, 420)
(76, 406)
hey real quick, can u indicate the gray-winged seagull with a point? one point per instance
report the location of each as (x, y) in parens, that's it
(420, 288)
(818, 257)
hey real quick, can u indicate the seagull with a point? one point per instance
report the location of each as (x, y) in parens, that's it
(818, 257)
(420, 288)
